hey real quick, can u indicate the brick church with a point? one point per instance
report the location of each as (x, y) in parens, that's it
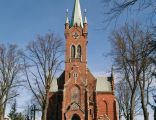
(77, 94)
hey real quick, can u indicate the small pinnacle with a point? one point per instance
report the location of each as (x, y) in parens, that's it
(112, 71)
(85, 10)
(85, 18)
(67, 19)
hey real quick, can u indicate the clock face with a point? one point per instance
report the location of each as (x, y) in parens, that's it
(76, 35)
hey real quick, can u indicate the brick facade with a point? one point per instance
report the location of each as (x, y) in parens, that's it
(77, 98)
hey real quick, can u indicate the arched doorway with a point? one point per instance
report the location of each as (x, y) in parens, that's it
(76, 117)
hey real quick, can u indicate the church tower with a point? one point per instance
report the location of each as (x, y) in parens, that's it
(77, 94)
(76, 97)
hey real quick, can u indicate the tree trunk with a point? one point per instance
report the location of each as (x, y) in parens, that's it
(154, 113)
(128, 117)
(1, 113)
(132, 106)
(45, 107)
(1, 110)
(144, 107)
(127, 112)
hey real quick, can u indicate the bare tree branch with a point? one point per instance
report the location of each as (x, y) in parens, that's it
(132, 54)
(42, 62)
(117, 8)
(10, 67)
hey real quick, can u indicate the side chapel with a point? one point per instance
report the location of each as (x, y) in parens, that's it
(77, 94)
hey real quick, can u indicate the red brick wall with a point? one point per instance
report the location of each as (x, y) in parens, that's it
(90, 104)
(105, 105)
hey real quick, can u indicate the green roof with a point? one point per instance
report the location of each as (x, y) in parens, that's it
(77, 15)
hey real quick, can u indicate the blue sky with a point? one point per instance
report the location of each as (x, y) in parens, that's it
(22, 20)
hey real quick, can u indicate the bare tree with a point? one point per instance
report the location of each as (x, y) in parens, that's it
(10, 68)
(42, 62)
(153, 50)
(123, 96)
(131, 55)
(113, 9)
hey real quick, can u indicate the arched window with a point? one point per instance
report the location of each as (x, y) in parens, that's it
(79, 51)
(72, 51)
(75, 95)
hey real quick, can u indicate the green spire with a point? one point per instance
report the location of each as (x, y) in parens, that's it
(77, 16)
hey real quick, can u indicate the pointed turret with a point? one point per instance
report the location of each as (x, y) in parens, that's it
(67, 26)
(85, 17)
(85, 24)
(112, 72)
(77, 16)
(67, 19)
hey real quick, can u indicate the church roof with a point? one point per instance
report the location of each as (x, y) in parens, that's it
(54, 86)
(77, 15)
(103, 84)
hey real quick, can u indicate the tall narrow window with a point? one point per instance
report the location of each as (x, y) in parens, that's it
(105, 108)
(75, 95)
(72, 51)
(79, 51)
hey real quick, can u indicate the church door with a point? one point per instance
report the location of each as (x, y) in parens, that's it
(76, 117)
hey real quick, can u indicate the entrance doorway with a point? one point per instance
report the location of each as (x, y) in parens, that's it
(76, 117)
